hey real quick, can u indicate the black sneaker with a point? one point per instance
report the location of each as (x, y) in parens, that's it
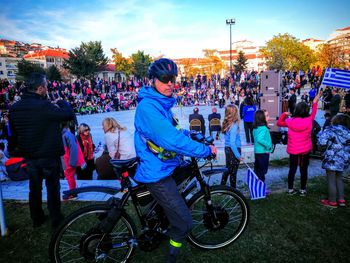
(40, 222)
(302, 192)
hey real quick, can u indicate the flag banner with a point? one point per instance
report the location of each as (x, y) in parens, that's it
(336, 78)
(257, 187)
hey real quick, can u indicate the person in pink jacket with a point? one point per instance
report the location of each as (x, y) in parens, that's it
(299, 142)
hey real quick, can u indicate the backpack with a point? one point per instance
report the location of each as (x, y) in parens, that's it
(16, 169)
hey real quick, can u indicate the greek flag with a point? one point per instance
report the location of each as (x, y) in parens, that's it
(337, 78)
(257, 187)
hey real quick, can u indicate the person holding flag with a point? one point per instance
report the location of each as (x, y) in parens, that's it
(299, 142)
(262, 143)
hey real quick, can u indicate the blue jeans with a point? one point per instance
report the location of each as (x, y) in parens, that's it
(179, 215)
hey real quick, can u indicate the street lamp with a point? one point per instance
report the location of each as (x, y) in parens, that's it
(230, 21)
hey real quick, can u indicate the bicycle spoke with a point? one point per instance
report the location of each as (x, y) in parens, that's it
(81, 259)
(231, 205)
(202, 233)
(235, 219)
(69, 247)
(83, 229)
(72, 233)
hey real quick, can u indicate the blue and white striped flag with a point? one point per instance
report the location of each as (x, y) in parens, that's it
(337, 78)
(257, 187)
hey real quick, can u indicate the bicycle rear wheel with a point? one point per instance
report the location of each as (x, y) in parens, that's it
(232, 213)
(79, 240)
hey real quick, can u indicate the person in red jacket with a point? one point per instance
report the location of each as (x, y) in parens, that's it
(299, 142)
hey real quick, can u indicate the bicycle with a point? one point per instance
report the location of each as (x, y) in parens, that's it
(107, 233)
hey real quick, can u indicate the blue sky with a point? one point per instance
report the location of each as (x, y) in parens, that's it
(173, 28)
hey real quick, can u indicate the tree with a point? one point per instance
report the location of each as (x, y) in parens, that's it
(285, 52)
(122, 64)
(330, 56)
(86, 60)
(140, 63)
(53, 73)
(212, 64)
(25, 68)
(187, 65)
(241, 62)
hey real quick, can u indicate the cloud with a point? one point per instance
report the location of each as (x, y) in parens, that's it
(126, 25)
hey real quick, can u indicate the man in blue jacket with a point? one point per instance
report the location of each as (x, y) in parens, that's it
(154, 123)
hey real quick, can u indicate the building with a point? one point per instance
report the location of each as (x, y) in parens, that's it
(11, 48)
(8, 68)
(255, 60)
(340, 41)
(312, 43)
(108, 73)
(48, 57)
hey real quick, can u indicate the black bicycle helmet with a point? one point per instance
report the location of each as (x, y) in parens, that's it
(161, 67)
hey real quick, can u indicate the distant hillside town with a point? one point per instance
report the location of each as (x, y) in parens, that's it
(12, 51)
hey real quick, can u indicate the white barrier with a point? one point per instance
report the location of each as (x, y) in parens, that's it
(2, 216)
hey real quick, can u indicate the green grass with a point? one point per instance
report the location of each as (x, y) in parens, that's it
(281, 229)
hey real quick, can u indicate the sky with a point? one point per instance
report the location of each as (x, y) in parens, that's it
(173, 28)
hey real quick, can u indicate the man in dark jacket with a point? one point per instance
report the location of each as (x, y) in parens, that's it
(35, 127)
(197, 116)
(292, 101)
(217, 128)
(334, 104)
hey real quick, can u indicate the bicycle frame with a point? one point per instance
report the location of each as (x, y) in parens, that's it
(139, 192)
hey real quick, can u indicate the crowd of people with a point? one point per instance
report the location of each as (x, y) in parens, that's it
(38, 120)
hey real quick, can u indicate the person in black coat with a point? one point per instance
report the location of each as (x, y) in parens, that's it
(292, 101)
(36, 136)
(334, 104)
(214, 115)
(198, 116)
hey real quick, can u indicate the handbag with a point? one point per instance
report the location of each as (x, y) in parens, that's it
(117, 153)
(103, 167)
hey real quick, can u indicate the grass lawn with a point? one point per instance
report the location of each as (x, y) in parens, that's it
(281, 229)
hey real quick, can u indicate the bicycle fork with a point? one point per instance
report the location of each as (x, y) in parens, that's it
(208, 203)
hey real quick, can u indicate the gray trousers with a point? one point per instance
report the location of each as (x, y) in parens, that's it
(335, 185)
(179, 215)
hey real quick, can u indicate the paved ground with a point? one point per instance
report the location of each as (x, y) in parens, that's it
(276, 180)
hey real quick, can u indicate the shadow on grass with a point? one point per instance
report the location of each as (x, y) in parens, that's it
(281, 229)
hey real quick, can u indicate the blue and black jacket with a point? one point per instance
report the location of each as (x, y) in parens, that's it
(154, 121)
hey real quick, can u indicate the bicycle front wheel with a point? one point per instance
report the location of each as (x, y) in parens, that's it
(78, 239)
(232, 215)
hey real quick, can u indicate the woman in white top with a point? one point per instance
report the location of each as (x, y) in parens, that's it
(112, 130)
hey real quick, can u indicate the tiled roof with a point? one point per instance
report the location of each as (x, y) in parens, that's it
(48, 53)
(344, 29)
(109, 67)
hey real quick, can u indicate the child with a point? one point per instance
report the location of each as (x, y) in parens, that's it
(336, 139)
(299, 142)
(262, 144)
(73, 157)
(230, 128)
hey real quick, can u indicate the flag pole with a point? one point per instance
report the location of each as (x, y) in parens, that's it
(247, 165)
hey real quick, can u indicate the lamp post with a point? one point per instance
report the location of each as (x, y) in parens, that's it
(230, 21)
